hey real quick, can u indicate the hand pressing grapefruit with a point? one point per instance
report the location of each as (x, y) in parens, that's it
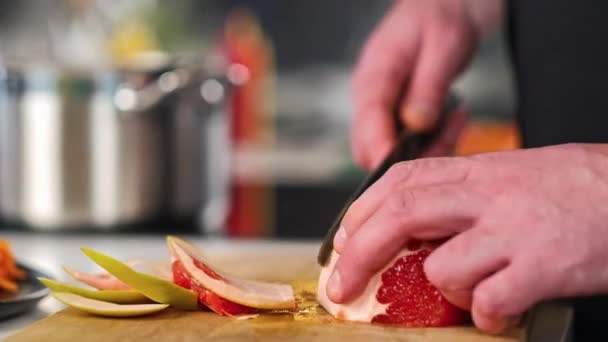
(398, 294)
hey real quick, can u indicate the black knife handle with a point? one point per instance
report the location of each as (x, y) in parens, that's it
(409, 146)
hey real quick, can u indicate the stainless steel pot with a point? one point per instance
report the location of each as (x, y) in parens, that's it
(107, 149)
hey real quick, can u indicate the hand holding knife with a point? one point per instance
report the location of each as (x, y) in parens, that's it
(409, 146)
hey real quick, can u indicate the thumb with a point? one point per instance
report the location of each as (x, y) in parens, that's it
(445, 51)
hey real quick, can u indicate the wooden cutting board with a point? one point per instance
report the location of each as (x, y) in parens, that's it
(309, 323)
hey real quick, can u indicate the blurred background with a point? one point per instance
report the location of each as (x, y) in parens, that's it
(224, 117)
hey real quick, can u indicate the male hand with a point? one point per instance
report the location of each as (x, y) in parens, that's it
(417, 50)
(522, 226)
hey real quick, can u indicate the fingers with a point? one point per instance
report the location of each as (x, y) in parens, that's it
(449, 134)
(460, 298)
(510, 291)
(373, 135)
(417, 173)
(476, 270)
(447, 46)
(426, 213)
(498, 301)
(460, 263)
(493, 325)
(419, 57)
(464, 260)
(385, 63)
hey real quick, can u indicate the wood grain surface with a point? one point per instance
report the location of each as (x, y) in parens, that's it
(309, 323)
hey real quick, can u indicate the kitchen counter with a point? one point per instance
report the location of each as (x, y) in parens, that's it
(49, 252)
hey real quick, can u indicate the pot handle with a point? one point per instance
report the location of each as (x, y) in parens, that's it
(139, 101)
(213, 89)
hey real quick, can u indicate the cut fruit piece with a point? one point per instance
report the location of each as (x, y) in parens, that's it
(106, 281)
(157, 289)
(160, 269)
(398, 294)
(101, 308)
(112, 296)
(223, 293)
(100, 281)
(207, 298)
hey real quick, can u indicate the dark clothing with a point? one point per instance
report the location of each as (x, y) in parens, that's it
(560, 55)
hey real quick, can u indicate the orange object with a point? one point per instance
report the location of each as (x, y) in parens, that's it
(480, 137)
(9, 272)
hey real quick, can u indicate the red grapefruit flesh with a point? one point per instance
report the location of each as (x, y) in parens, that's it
(412, 300)
(221, 292)
(399, 294)
(206, 297)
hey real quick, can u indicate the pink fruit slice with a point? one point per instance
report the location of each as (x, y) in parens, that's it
(206, 297)
(398, 294)
(106, 281)
(221, 292)
(100, 281)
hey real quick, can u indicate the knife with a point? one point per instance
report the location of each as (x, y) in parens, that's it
(409, 146)
(551, 321)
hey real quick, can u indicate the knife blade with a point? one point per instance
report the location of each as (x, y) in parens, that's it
(551, 321)
(409, 146)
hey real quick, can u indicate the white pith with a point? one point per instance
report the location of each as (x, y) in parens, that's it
(363, 308)
(255, 294)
